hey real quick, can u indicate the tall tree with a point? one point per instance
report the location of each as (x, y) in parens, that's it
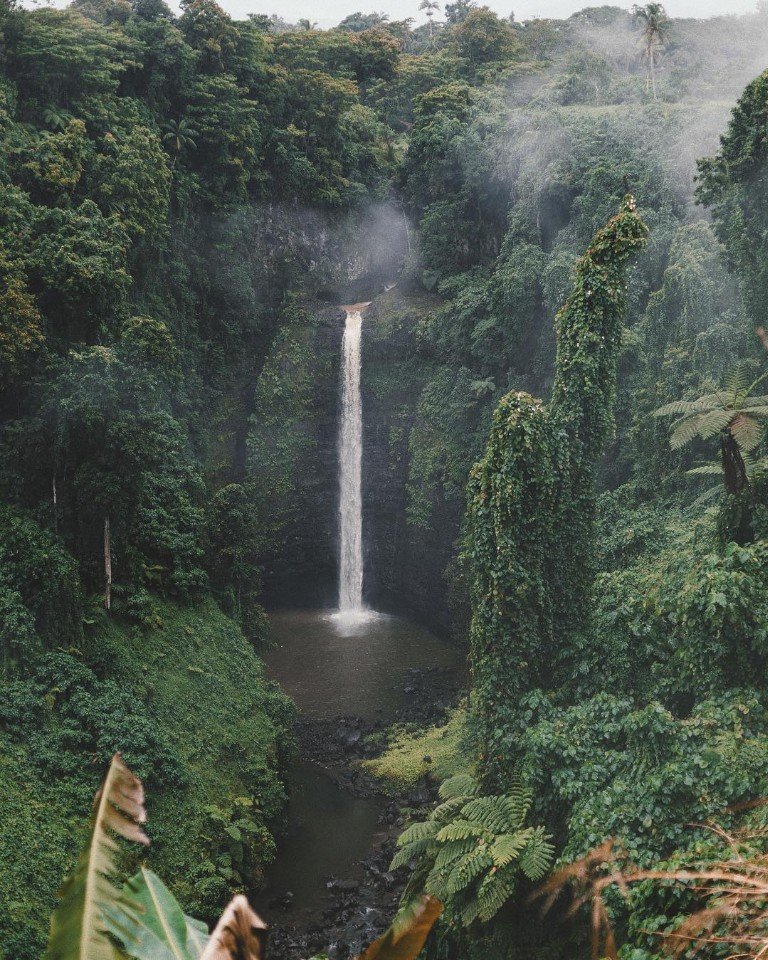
(429, 7)
(654, 24)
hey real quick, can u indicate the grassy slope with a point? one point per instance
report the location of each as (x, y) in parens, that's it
(203, 686)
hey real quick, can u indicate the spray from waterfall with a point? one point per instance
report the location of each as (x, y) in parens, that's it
(351, 468)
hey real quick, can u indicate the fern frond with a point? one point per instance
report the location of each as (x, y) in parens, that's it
(462, 785)
(702, 425)
(507, 848)
(422, 830)
(436, 884)
(468, 869)
(470, 911)
(461, 830)
(707, 496)
(444, 812)
(737, 380)
(746, 431)
(536, 859)
(517, 803)
(757, 406)
(411, 851)
(493, 893)
(489, 812)
(708, 470)
(685, 408)
(450, 852)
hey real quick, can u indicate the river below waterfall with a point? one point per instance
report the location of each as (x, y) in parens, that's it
(346, 676)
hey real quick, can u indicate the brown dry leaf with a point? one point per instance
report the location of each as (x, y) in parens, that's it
(240, 934)
(407, 935)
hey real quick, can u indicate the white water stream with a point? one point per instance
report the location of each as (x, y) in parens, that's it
(350, 469)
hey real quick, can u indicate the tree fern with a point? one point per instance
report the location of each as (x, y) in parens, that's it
(733, 413)
(472, 849)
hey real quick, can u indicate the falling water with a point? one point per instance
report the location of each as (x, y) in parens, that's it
(350, 469)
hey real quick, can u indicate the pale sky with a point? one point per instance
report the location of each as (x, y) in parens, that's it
(328, 12)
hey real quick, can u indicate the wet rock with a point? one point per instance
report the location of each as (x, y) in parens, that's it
(348, 886)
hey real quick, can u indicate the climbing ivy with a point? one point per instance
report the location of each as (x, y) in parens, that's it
(531, 500)
(511, 496)
(589, 333)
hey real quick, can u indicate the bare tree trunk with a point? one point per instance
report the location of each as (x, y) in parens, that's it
(107, 565)
(653, 73)
(55, 505)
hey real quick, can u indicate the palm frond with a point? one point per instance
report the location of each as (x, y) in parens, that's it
(160, 931)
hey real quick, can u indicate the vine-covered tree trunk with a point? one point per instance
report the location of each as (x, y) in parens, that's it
(589, 333)
(510, 518)
(531, 502)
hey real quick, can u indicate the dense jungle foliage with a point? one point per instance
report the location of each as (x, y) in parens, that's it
(185, 201)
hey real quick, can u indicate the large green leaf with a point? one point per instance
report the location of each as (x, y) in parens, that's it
(78, 925)
(157, 928)
(197, 935)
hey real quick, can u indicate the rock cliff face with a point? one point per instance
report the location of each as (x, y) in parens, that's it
(406, 561)
(292, 454)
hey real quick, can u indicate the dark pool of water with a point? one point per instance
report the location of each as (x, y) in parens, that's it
(334, 667)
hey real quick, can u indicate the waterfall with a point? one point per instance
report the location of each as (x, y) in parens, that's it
(350, 469)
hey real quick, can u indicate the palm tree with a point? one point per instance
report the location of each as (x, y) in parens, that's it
(733, 413)
(430, 6)
(654, 24)
(179, 135)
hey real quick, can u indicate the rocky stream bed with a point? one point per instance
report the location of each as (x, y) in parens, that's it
(359, 907)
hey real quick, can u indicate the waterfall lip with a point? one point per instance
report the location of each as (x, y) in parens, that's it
(356, 307)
